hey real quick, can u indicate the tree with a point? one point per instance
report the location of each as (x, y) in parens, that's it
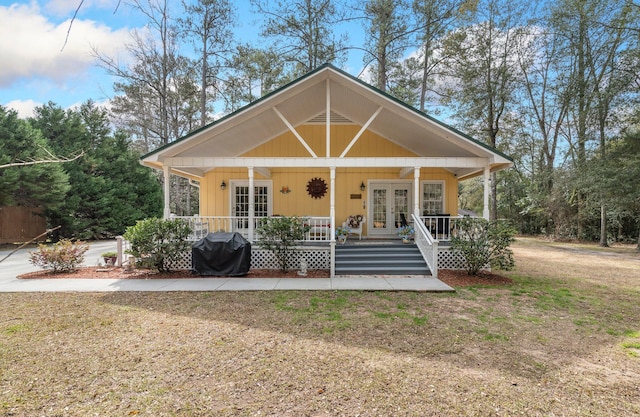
(303, 31)
(24, 181)
(386, 30)
(481, 59)
(255, 72)
(109, 189)
(596, 37)
(433, 19)
(159, 97)
(208, 24)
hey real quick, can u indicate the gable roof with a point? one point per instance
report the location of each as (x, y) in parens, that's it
(305, 101)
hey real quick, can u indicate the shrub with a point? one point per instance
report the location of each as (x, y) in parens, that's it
(483, 243)
(158, 243)
(280, 236)
(63, 256)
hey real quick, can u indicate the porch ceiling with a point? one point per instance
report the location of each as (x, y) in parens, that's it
(304, 100)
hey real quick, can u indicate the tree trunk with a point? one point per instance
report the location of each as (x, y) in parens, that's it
(603, 227)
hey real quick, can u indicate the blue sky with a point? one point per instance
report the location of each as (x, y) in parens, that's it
(36, 69)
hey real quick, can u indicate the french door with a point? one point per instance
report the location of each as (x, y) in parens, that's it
(388, 202)
(262, 202)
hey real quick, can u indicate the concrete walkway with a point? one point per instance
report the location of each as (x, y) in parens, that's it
(18, 264)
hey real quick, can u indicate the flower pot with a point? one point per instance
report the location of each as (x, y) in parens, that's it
(406, 240)
(342, 239)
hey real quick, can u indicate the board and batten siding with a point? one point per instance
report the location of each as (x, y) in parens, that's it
(215, 202)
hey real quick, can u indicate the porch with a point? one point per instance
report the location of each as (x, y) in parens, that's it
(441, 227)
(370, 256)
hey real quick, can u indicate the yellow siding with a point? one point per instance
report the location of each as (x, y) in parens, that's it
(215, 202)
(368, 145)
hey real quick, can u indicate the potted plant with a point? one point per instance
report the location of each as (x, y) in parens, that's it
(341, 235)
(109, 257)
(406, 233)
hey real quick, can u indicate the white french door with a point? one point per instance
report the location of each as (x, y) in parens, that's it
(262, 202)
(387, 202)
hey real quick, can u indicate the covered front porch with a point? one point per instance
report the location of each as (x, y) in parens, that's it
(326, 147)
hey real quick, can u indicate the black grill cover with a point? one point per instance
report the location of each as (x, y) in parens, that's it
(221, 254)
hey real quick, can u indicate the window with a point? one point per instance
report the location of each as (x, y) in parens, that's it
(432, 198)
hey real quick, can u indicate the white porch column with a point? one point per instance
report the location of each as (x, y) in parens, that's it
(416, 191)
(252, 197)
(167, 208)
(332, 214)
(487, 175)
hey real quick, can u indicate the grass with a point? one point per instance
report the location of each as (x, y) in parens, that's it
(562, 340)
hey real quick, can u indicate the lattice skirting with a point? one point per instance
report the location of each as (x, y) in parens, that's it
(448, 259)
(318, 258)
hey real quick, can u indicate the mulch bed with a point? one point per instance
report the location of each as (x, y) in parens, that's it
(453, 278)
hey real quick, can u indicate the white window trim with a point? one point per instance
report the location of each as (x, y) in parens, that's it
(256, 183)
(444, 194)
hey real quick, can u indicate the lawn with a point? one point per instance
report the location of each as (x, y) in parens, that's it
(563, 340)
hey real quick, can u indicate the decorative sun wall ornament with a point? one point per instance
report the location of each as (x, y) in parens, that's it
(316, 187)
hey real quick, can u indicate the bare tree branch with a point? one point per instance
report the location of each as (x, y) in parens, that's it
(73, 19)
(53, 160)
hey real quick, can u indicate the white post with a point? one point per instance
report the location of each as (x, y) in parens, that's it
(252, 196)
(485, 210)
(332, 214)
(167, 208)
(416, 191)
(119, 251)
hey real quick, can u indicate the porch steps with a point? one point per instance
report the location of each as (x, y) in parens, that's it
(384, 259)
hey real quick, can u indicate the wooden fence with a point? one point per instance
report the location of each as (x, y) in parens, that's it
(21, 224)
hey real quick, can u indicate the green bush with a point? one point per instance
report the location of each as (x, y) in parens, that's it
(483, 243)
(280, 235)
(63, 256)
(158, 243)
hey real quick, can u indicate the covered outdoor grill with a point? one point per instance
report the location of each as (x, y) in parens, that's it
(221, 254)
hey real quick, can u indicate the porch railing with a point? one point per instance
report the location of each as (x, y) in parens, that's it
(319, 227)
(427, 245)
(442, 228)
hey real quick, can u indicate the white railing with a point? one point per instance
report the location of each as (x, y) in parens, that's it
(319, 227)
(441, 227)
(427, 245)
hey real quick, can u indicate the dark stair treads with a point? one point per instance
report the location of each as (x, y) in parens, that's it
(383, 259)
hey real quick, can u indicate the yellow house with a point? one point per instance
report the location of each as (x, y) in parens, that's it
(327, 146)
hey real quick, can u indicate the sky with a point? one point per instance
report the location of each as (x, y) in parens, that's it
(37, 67)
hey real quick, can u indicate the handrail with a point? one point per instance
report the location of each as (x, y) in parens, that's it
(319, 227)
(427, 245)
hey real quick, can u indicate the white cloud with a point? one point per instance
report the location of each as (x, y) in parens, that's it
(31, 44)
(23, 107)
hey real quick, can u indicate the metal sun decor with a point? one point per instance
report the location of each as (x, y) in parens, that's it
(316, 187)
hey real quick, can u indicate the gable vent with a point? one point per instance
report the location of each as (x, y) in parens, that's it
(335, 119)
